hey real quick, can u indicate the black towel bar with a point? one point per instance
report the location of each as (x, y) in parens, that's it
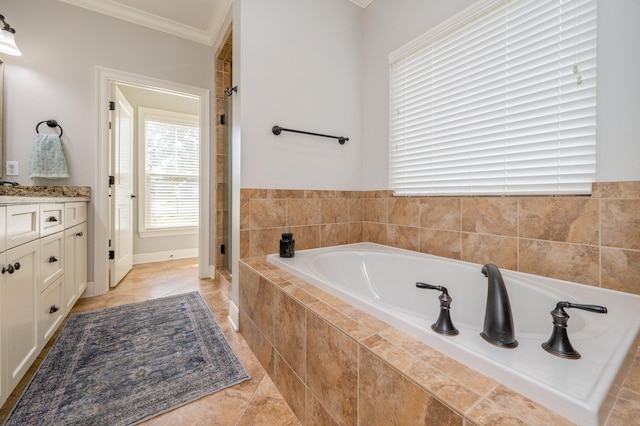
(277, 130)
(50, 123)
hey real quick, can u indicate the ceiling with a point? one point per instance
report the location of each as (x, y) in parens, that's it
(196, 20)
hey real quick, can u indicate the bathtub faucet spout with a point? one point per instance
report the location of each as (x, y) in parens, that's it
(498, 319)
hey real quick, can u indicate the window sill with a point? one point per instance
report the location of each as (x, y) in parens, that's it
(167, 232)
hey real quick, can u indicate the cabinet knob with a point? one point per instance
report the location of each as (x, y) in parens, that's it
(52, 219)
(52, 259)
(8, 269)
(54, 309)
(79, 234)
(16, 265)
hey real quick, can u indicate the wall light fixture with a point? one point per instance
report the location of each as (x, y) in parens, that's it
(8, 39)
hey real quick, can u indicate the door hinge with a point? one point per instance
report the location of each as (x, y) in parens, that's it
(109, 125)
(112, 106)
(112, 180)
(112, 254)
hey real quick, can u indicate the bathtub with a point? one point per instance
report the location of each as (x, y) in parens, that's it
(380, 280)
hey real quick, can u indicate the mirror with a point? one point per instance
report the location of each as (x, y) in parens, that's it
(1, 102)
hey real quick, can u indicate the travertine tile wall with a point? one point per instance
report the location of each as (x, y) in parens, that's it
(223, 80)
(316, 219)
(591, 240)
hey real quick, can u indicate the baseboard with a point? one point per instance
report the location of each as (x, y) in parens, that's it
(234, 316)
(89, 291)
(161, 256)
(212, 271)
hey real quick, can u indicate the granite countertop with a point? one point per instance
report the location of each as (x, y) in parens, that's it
(43, 194)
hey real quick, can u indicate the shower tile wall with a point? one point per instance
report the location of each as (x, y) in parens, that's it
(223, 81)
(591, 240)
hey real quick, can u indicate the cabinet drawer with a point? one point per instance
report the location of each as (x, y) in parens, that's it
(23, 224)
(51, 218)
(50, 315)
(51, 259)
(75, 213)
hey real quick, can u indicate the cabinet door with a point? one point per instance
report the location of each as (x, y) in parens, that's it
(3, 331)
(75, 264)
(21, 317)
(81, 258)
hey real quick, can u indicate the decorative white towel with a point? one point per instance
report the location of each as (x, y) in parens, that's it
(47, 158)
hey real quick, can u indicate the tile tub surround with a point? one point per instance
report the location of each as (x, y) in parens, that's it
(316, 219)
(593, 240)
(335, 364)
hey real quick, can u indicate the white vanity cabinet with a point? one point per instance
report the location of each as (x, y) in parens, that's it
(43, 258)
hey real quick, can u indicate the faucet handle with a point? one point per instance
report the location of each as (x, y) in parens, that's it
(443, 325)
(591, 308)
(559, 344)
(433, 287)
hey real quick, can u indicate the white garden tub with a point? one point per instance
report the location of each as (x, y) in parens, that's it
(380, 280)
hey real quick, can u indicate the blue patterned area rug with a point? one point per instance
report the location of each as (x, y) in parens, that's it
(126, 364)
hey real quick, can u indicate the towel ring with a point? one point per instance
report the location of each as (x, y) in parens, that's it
(50, 123)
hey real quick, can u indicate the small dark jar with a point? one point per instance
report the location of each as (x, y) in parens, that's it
(287, 245)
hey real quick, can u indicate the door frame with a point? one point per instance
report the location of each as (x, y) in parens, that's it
(104, 77)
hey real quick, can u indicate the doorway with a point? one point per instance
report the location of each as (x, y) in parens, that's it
(107, 79)
(154, 164)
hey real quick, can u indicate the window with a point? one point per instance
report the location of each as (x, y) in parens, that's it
(168, 179)
(500, 99)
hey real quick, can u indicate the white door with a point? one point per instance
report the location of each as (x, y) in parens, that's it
(122, 190)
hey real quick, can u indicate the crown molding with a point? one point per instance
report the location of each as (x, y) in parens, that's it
(159, 23)
(217, 19)
(361, 3)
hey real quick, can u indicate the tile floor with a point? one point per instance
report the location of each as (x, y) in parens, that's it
(253, 402)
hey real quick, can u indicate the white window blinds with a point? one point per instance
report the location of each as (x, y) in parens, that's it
(499, 100)
(171, 176)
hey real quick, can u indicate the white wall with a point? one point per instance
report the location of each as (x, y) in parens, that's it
(389, 25)
(142, 97)
(301, 68)
(618, 117)
(313, 65)
(55, 78)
